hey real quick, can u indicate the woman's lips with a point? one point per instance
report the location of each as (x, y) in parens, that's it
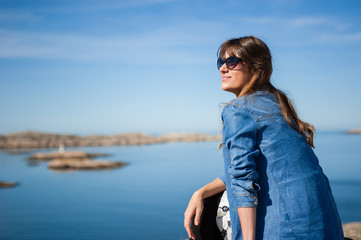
(225, 78)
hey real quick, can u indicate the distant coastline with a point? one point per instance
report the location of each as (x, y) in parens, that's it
(33, 139)
(354, 131)
(30, 139)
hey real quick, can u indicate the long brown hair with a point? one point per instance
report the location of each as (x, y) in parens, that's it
(256, 55)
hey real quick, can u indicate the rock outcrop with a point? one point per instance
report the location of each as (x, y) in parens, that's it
(75, 160)
(8, 184)
(82, 164)
(352, 230)
(47, 140)
(72, 154)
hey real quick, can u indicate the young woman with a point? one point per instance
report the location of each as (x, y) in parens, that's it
(275, 186)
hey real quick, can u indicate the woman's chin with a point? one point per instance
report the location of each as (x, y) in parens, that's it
(225, 87)
(231, 90)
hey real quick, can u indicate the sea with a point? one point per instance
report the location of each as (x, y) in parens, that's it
(147, 198)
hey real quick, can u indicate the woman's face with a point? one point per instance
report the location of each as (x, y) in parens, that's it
(233, 80)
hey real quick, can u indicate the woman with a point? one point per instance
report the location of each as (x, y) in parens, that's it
(275, 186)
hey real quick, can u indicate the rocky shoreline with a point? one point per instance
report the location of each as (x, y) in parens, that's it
(28, 140)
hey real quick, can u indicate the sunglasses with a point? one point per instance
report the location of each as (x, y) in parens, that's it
(230, 62)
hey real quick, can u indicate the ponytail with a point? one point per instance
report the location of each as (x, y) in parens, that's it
(307, 130)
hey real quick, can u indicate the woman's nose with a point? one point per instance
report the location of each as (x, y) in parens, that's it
(223, 68)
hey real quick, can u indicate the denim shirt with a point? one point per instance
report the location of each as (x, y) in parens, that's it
(270, 166)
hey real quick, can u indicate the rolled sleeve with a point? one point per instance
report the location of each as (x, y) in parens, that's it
(222, 178)
(240, 139)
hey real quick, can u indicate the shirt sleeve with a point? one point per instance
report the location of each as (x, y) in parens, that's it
(240, 139)
(222, 178)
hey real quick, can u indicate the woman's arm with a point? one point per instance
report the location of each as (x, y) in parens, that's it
(247, 217)
(240, 139)
(195, 205)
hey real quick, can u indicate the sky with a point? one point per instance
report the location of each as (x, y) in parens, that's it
(107, 67)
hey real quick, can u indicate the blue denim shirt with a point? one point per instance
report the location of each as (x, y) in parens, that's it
(270, 166)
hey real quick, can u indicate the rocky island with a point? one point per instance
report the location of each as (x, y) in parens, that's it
(75, 160)
(64, 155)
(30, 139)
(82, 164)
(8, 184)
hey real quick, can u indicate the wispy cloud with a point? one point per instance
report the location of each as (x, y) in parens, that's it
(157, 45)
(282, 2)
(316, 21)
(306, 30)
(265, 20)
(341, 38)
(12, 15)
(96, 6)
(299, 22)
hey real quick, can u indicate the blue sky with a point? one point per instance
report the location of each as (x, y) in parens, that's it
(107, 67)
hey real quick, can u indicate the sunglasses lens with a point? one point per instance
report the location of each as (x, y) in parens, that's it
(231, 62)
(220, 62)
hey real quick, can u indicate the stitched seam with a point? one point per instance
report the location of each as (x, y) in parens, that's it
(283, 205)
(331, 197)
(246, 194)
(244, 108)
(269, 116)
(256, 119)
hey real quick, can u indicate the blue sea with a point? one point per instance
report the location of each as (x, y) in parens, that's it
(145, 199)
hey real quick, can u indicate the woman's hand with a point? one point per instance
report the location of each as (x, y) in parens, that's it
(195, 207)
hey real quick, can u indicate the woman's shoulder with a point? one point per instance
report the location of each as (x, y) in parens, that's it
(258, 104)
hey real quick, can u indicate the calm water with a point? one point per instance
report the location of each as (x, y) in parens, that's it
(147, 198)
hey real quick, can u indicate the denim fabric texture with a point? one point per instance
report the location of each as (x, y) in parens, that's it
(270, 166)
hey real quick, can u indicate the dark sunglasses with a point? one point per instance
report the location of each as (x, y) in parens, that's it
(230, 62)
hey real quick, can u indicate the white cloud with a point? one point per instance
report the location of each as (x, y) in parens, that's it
(38, 13)
(316, 21)
(299, 22)
(10, 15)
(304, 30)
(94, 6)
(340, 38)
(157, 46)
(282, 2)
(168, 41)
(265, 20)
